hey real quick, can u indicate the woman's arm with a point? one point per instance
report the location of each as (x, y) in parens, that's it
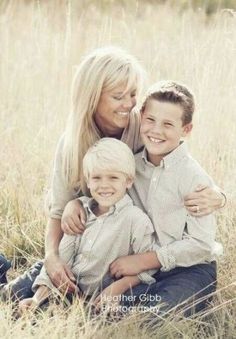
(73, 218)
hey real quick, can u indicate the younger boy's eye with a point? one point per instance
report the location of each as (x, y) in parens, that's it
(168, 124)
(95, 177)
(114, 177)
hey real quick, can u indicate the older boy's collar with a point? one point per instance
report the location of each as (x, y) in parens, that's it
(173, 157)
(170, 159)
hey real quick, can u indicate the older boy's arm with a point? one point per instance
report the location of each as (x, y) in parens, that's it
(135, 264)
(117, 288)
(197, 245)
(198, 241)
(145, 262)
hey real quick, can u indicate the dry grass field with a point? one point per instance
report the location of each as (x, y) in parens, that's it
(41, 42)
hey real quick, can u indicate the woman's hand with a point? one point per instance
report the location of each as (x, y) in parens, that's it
(204, 201)
(73, 218)
(60, 274)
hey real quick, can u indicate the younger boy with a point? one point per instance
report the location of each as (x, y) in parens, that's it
(165, 173)
(114, 227)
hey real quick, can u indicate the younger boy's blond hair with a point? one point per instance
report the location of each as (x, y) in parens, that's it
(109, 154)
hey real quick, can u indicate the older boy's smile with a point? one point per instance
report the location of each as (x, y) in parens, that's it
(161, 128)
(156, 141)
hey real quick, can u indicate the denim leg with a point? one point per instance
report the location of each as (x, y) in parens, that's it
(21, 287)
(174, 287)
(4, 267)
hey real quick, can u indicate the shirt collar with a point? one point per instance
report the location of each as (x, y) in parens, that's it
(170, 159)
(125, 201)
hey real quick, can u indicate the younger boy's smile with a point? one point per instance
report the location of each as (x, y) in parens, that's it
(162, 128)
(107, 187)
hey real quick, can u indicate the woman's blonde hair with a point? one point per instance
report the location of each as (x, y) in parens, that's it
(103, 69)
(109, 154)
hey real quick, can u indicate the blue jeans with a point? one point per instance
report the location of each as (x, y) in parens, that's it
(174, 287)
(171, 288)
(21, 287)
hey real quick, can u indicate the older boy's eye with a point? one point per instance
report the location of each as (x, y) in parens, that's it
(168, 124)
(114, 177)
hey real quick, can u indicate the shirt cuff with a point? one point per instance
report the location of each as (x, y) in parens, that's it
(146, 278)
(166, 259)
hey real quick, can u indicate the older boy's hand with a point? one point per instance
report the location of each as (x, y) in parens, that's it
(203, 201)
(127, 265)
(73, 218)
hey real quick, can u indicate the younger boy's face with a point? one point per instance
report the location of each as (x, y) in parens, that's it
(108, 187)
(162, 129)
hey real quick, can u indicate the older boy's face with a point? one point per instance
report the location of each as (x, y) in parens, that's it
(108, 187)
(161, 128)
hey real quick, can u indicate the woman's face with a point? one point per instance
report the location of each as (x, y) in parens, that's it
(113, 110)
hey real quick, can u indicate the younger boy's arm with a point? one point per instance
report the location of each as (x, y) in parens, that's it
(39, 297)
(67, 249)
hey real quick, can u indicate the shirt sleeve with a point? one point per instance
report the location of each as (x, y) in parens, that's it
(67, 250)
(59, 194)
(198, 242)
(142, 240)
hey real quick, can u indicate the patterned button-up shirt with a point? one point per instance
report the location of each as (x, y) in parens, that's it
(124, 230)
(183, 240)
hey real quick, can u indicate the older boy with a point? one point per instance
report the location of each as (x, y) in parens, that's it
(165, 172)
(114, 228)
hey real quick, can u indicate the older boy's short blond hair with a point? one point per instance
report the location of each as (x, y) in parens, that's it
(111, 155)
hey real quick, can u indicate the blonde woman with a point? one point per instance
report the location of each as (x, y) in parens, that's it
(104, 93)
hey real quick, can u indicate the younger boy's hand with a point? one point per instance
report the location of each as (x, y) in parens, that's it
(126, 265)
(60, 274)
(28, 304)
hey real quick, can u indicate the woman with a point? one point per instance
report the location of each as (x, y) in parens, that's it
(103, 97)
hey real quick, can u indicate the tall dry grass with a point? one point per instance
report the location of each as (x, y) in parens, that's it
(41, 44)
